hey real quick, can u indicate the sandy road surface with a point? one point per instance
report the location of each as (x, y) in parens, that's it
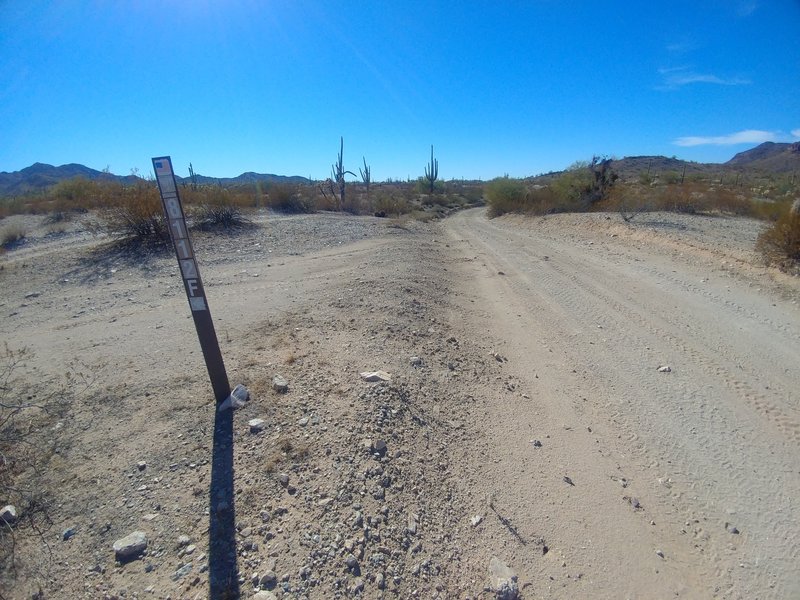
(585, 320)
(543, 329)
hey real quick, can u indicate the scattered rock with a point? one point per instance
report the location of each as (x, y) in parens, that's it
(284, 479)
(503, 580)
(141, 465)
(182, 572)
(731, 529)
(257, 425)
(660, 553)
(373, 376)
(268, 579)
(70, 531)
(131, 546)
(264, 595)
(634, 502)
(352, 563)
(380, 581)
(9, 514)
(303, 421)
(568, 480)
(476, 520)
(379, 446)
(536, 443)
(665, 369)
(416, 361)
(183, 540)
(280, 385)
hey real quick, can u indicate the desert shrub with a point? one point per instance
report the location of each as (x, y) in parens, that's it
(79, 193)
(695, 198)
(288, 199)
(219, 216)
(136, 214)
(423, 186)
(12, 235)
(670, 177)
(11, 206)
(582, 185)
(386, 204)
(504, 195)
(779, 243)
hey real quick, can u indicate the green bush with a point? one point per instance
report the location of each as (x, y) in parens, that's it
(504, 195)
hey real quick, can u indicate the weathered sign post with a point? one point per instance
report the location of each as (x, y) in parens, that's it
(179, 233)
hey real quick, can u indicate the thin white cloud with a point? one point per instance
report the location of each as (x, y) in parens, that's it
(748, 136)
(746, 8)
(795, 133)
(676, 77)
(682, 47)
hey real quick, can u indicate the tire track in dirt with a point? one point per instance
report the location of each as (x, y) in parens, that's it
(718, 440)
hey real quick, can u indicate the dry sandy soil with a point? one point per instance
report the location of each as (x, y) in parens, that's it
(533, 423)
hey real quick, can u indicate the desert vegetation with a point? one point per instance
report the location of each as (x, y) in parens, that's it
(595, 186)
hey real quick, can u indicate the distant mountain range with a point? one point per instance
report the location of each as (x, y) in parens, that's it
(769, 157)
(39, 176)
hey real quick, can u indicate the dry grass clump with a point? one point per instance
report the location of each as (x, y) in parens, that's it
(11, 235)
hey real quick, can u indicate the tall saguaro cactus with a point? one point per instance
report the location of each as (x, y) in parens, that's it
(366, 174)
(432, 170)
(338, 173)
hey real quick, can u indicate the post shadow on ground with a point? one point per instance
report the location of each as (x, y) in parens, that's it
(223, 572)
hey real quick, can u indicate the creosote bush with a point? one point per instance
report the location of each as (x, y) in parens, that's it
(779, 243)
(136, 214)
(289, 199)
(505, 195)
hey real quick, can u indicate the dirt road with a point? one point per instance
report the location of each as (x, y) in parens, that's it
(530, 414)
(585, 320)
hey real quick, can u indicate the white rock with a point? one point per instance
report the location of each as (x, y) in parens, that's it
(373, 376)
(476, 520)
(280, 385)
(265, 595)
(131, 545)
(256, 425)
(503, 580)
(665, 369)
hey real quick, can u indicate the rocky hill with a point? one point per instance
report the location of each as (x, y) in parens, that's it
(769, 156)
(40, 176)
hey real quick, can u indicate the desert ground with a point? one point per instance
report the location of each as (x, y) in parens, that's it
(578, 407)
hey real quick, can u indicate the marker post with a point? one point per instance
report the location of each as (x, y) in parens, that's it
(195, 292)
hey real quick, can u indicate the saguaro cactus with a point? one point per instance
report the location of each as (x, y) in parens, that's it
(366, 174)
(338, 173)
(432, 170)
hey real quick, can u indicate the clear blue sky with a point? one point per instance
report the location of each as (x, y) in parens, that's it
(497, 87)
